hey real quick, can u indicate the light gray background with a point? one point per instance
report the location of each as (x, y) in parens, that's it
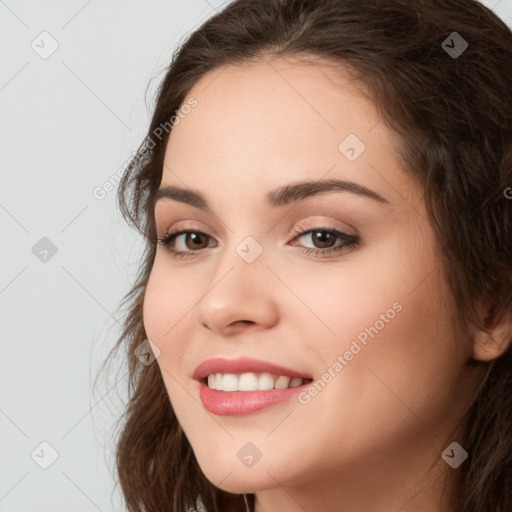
(68, 122)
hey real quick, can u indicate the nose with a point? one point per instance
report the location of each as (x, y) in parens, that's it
(239, 296)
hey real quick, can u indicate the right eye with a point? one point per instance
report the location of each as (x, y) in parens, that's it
(196, 238)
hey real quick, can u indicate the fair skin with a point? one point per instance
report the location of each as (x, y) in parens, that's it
(368, 439)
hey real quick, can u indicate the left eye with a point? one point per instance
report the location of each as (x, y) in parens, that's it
(196, 237)
(325, 237)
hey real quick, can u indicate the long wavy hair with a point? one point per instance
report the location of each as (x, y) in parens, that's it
(452, 116)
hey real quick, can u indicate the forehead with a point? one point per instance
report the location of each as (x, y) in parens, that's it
(283, 92)
(261, 123)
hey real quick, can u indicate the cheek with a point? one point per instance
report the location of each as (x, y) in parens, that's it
(164, 313)
(156, 315)
(388, 313)
(419, 355)
(403, 361)
(162, 310)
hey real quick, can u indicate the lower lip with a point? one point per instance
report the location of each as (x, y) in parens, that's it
(238, 403)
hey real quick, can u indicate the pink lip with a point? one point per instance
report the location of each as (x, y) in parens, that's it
(235, 403)
(238, 403)
(243, 365)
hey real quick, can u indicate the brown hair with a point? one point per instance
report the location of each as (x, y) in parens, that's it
(452, 116)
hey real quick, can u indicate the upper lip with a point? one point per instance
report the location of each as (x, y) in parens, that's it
(243, 365)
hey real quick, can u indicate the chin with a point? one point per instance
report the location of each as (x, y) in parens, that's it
(240, 480)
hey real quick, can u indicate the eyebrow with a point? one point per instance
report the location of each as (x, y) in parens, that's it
(284, 195)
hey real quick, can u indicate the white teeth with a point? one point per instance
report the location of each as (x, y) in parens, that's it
(229, 382)
(266, 381)
(251, 381)
(296, 381)
(282, 382)
(248, 382)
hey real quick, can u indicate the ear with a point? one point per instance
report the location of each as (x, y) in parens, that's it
(491, 345)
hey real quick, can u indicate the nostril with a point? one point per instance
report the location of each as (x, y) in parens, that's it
(246, 322)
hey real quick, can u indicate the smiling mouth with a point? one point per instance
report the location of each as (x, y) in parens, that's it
(252, 381)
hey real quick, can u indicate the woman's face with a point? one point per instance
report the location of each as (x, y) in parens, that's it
(368, 318)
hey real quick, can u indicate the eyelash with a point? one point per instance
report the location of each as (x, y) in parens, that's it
(350, 241)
